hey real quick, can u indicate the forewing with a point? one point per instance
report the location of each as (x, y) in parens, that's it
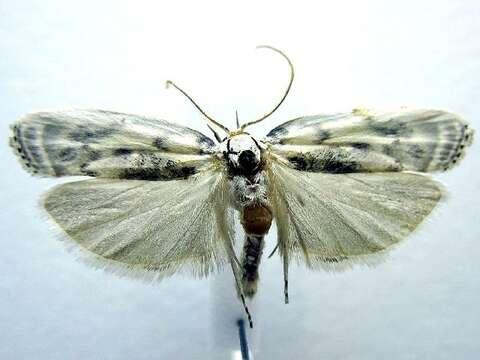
(362, 141)
(108, 144)
(162, 226)
(330, 218)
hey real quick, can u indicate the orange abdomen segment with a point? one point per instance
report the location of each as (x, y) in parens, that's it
(256, 219)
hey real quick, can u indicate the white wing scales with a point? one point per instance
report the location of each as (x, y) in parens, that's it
(163, 226)
(330, 218)
(416, 140)
(108, 144)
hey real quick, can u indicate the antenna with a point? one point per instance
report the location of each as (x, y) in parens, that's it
(169, 82)
(242, 127)
(292, 75)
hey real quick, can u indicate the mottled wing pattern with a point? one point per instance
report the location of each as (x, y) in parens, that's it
(332, 218)
(161, 226)
(362, 141)
(108, 144)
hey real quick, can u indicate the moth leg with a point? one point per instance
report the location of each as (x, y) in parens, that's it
(240, 291)
(232, 259)
(285, 276)
(273, 251)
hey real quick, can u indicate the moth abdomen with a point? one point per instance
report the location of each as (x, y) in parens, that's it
(250, 260)
(256, 219)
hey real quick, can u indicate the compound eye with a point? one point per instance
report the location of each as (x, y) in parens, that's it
(248, 160)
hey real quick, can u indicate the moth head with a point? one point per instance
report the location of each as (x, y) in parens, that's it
(243, 153)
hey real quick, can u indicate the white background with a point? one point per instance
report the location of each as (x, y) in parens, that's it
(421, 304)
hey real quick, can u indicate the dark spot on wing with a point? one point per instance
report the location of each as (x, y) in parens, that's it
(66, 154)
(51, 131)
(85, 171)
(321, 136)
(205, 142)
(142, 174)
(277, 132)
(148, 167)
(59, 170)
(122, 151)
(360, 146)
(447, 147)
(328, 162)
(160, 143)
(416, 151)
(29, 133)
(299, 162)
(300, 200)
(36, 153)
(85, 135)
(187, 171)
(444, 155)
(388, 128)
(390, 149)
(90, 153)
(338, 166)
(175, 170)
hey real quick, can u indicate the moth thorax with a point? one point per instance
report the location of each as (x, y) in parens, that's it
(256, 219)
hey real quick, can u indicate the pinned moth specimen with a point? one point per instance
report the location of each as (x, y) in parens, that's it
(162, 199)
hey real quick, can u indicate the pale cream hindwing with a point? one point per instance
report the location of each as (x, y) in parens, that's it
(362, 141)
(161, 226)
(108, 144)
(331, 218)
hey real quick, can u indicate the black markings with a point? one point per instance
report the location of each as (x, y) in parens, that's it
(142, 174)
(321, 136)
(85, 171)
(66, 154)
(335, 166)
(122, 152)
(328, 163)
(160, 144)
(389, 129)
(205, 142)
(360, 146)
(90, 153)
(184, 172)
(35, 153)
(300, 200)
(85, 135)
(51, 131)
(444, 156)
(416, 151)
(256, 143)
(299, 162)
(277, 132)
(448, 146)
(173, 170)
(155, 168)
(228, 147)
(29, 134)
(59, 170)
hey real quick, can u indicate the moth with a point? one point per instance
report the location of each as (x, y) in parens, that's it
(342, 188)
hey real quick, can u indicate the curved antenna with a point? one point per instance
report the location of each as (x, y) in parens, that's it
(169, 82)
(292, 75)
